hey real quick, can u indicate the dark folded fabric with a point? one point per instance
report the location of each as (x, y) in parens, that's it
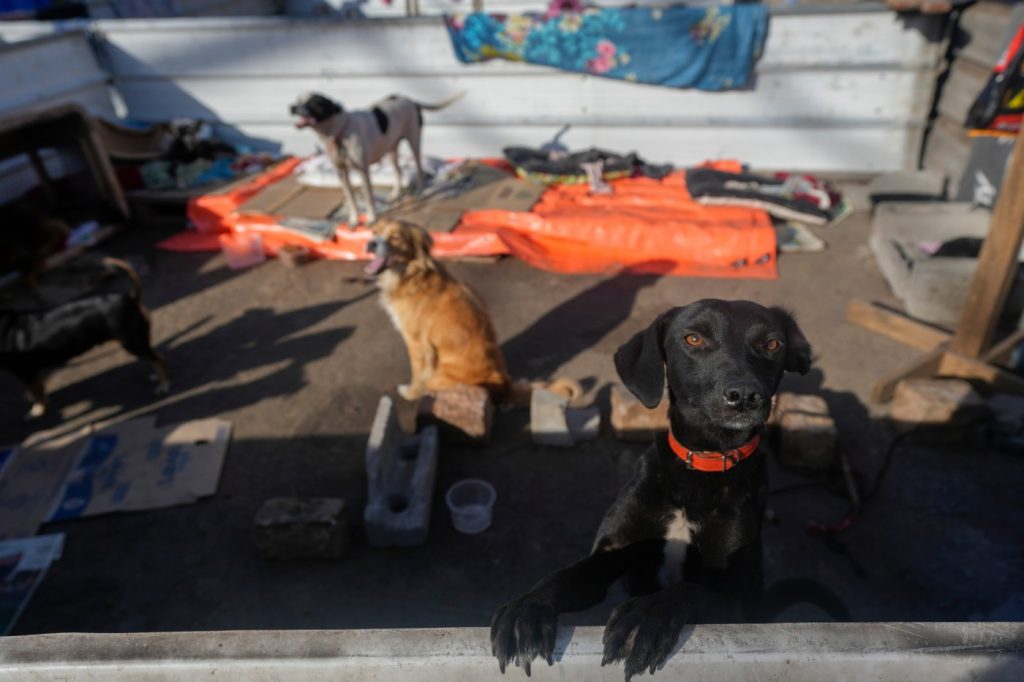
(538, 165)
(802, 198)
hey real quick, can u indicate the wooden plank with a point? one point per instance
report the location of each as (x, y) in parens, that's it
(925, 366)
(312, 203)
(273, 196)
(997, 263)
(957, 365)
(1001, 351)
(895, 325)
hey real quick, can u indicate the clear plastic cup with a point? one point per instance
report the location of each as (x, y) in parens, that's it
(242, 249)
(471, 501)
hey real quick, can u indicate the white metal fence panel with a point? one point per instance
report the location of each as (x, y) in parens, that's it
(836, 91)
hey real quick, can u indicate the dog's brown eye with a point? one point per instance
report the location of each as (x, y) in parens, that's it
(773, 345)
(694, 340)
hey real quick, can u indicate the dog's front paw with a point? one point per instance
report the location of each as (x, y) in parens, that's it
(521, 631)
(37, 411)
(642, 633)
(409, 392)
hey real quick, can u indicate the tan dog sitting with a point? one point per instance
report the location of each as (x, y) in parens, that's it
(445, 326)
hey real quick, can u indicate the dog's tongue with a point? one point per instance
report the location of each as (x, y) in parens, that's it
(375, 266)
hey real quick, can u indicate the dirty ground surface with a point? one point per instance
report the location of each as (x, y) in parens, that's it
(297, 360)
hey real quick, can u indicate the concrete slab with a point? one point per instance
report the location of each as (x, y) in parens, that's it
(886, 652)
(297, 360)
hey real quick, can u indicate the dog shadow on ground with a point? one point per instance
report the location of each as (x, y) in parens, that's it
(259, 355)
(577, 324)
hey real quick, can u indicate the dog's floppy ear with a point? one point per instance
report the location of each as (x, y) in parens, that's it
(640, 363)
(421, 240)
(798, 350)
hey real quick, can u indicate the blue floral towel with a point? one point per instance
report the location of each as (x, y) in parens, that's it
(706, 48)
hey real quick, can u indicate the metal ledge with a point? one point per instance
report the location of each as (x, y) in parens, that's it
(792, 652)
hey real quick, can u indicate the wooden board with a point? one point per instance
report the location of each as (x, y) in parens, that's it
(997, 263)
(313, 203)
(271, 198)
(895, 325)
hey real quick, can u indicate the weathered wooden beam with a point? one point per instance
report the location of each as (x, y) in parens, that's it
(895, 325)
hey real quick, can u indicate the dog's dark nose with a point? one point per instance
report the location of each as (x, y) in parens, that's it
(743, 397)
(371, 246)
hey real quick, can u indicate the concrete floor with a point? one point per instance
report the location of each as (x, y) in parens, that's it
(297, 360)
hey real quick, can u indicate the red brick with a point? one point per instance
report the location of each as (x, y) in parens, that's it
(463, 414)
(632, 421)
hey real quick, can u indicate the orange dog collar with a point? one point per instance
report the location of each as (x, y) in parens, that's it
(703, 460)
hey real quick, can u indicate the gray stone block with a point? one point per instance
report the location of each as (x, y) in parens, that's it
(933, 402)
(807, 432)
(554, 423)
(302, 528)
(908, 186)
(933, 288)
(400, 474)
(547, 419)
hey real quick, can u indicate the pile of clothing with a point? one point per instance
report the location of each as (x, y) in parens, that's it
(793, 200)
(184, 154)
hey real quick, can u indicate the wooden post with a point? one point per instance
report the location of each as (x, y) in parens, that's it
(997, 263)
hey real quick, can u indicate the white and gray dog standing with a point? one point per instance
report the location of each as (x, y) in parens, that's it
(357, 139)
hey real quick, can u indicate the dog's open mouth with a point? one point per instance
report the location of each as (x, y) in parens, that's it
(376, 266)
(304, 122)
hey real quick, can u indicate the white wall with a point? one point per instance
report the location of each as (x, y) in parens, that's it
(840, 91)
(49, 70)
(39, 73)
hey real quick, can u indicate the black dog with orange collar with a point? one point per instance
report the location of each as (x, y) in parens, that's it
(685, 532)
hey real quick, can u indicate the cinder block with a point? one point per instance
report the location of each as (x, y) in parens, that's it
(400, 474)
(463, 414)
(302, 528)
(632, 421)
(807, 432)
(934, 402)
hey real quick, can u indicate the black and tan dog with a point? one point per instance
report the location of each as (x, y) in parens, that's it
(33, 342)
(357, 139)
(27, 238)
(685, 532)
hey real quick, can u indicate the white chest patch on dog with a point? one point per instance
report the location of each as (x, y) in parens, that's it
(391, 313)
(678, 536)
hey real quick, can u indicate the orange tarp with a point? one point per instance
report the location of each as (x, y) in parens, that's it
(644, 225)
